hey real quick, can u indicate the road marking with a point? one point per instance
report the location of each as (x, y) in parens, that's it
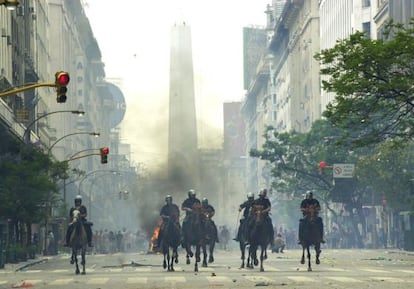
(388, 279)
(271, 269)
(142, 269)
(115, 270)
(135, 280)
(405, 271)
(173, 279)
(258, 279)
(375, 271)
(335, 269)
(61, 281)
(60, 271)
(345, 279)
(301, 279)
(213, 279)
(97, 280)
(32, 271)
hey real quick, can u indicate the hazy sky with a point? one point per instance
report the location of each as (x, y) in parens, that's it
(134, 38)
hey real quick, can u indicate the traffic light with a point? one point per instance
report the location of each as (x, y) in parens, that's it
(322, 166)
(61, 80)
(104, 155)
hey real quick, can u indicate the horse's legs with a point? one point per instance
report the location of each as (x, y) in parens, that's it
(83, 250)
(262, 257)
(164, 263)
(309, 258)
(189, 253)
(204, 247)
(242, 249)
(302, 261)
(318, 252)
(211, 252)
(75, 258)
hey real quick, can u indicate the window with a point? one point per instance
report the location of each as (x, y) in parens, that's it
(366, 3)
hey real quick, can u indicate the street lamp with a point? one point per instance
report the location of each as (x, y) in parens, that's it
(26, 135)
(95, 134)
(10, 4)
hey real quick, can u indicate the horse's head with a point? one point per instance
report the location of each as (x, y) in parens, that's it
(257, 213)
(311, 211)
(75, 216)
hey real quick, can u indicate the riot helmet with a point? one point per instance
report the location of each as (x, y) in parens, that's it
(168, 198)
(191, 193)
(204, 201)
(78, 199)
(250, 196)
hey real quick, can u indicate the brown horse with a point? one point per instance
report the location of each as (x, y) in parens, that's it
(311, 235)
(259, 235)
(195, 235)
(170, 242)
(210, 232)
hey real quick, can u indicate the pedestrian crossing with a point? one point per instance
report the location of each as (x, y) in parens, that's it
(150, 275)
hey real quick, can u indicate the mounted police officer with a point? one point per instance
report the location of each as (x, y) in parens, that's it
(168, 211)
(245, 206)
(187, 206)
(87, 225)
(306, 203)
(264, 201)
(209, 210)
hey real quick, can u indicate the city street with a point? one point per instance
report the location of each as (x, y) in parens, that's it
(338, 269)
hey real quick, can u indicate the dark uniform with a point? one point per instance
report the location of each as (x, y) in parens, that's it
(187, 206)
(171, 211)
(306, 203)
(245, 206)
(87, 225)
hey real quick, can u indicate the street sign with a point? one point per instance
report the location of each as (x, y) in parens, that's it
(343, 170)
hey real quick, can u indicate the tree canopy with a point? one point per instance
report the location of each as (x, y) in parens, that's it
(373, 82)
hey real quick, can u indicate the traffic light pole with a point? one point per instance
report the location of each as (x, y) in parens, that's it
(27, 87)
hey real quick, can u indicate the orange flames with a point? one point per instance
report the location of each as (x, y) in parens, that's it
(155, 235)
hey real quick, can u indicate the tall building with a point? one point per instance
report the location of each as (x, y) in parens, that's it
(183, 157)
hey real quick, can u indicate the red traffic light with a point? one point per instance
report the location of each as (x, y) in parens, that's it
(105, 151)
(322, 165)
(62, 78)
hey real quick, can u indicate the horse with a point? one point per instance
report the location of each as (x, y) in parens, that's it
(311, 235)
(243, 243)
(259, 235)
(210, 240)
(195, 236)
(78, 241)
(171, 236)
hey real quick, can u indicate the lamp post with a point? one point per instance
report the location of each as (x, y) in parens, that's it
(10, 4)
(26, 135)
(95, 134)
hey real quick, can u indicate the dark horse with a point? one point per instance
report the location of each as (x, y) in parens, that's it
(311, 235)
(195, 236)
(170, 242)
(243, 242)
(210, 240)
(78, 241)
(259, 235)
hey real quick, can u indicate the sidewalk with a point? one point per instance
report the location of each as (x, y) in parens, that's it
(21, 266)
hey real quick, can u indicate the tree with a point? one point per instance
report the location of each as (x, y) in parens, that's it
(373, 82)
(28, 188)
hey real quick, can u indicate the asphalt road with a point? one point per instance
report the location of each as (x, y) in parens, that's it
(379, 269)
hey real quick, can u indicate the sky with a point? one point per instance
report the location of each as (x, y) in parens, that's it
(134, 39)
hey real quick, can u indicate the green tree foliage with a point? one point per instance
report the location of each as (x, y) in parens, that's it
(295, 157)
(373, 82)
(28, 188)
